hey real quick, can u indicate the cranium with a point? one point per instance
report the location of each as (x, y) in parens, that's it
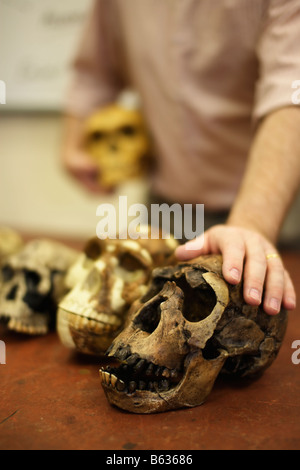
(108, 277)
(190, 326)
(32, 282)
(117, 140)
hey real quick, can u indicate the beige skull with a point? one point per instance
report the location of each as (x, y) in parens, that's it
(107, 279)
(117, 140)
(190, 326)
(32, 282)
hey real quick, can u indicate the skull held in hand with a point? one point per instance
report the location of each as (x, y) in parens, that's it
(117, 140)
(32, 282)
(107, 279)
(190, 326)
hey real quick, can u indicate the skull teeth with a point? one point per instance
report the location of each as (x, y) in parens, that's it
(21, 327)
(131, 386)
(138, 374)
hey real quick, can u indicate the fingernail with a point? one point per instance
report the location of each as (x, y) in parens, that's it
(235, 274)
(255, 294)
(274, 304)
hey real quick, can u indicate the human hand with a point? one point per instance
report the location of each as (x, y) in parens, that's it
(245, 254)
(76, 161)
(83, 169)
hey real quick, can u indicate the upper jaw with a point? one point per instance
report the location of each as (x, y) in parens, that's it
(142, 387)
(190, 388)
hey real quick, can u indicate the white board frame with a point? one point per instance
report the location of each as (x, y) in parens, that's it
(38, 40)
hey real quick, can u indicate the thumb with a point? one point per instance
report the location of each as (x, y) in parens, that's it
(191, 249)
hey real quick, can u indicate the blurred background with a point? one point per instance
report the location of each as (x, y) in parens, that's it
(37, 42)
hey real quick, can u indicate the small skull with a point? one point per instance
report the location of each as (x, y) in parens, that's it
(117, 140)
(106, 280)
(190, 326)
(32, 282)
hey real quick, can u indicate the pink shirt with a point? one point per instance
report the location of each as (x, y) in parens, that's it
(206, 72)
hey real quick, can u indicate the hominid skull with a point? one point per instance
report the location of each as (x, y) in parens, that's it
(107, 279)
(32, 282)
(117, 140)
(190, 326)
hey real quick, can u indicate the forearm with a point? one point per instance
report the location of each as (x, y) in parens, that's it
(270, 183)
(272, 176)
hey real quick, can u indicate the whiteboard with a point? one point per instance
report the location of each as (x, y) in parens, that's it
(38, 40)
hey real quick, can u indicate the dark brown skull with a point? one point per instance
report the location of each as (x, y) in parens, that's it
(190, 326)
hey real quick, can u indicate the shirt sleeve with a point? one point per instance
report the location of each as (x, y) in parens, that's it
(278, 51)
(94, 80)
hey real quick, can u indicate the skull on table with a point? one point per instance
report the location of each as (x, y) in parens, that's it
(32, 282)
(107, 278)
(190, 326)
(117, 140)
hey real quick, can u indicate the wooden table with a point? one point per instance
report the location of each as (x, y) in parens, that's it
(51, 398)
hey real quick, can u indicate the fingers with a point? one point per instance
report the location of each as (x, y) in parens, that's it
(265, 280)
(245, 255)
(254, 271)
(217, 240)
(233, 249)
(289, 294)
(274, 286)
(192, 248)
(279, 289)
(83, 169)
(88, 181)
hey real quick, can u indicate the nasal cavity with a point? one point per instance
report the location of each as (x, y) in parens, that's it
(149, 317)
(32, 280)
(12, 293)
(113, 147)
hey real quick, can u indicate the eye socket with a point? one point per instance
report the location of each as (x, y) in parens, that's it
(94, 248)
(198, 302)
(128, 131)
(32, 279)
(7, 273)
(130, 263)
(97, 136)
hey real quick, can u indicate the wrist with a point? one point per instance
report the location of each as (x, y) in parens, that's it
(254, 222)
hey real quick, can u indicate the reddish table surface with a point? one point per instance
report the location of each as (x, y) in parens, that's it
(51, 398)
